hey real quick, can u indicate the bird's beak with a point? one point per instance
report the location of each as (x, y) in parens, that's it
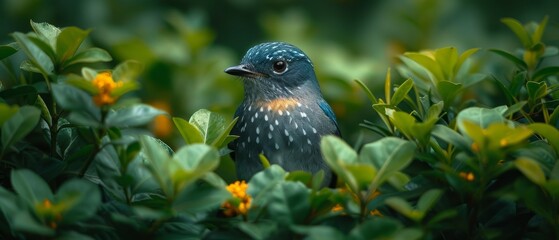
(243, 70)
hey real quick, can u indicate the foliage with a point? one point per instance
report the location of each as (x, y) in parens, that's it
(77, 164)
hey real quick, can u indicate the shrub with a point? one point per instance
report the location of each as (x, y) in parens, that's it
(75, 162)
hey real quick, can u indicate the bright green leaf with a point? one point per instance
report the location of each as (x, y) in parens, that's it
(210, 124)
(483, 117)
(531, 169)
(337, 154)
(428, 63)
(447, 58)
(519, 30)
(190, 133)
(401, 92)
(537, 36)
(517, 61)
(549, 132)
(6, 112)
(463, 57)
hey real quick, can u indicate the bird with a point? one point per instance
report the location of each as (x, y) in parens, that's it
(283, 114)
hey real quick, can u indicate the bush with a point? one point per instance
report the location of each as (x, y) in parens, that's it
(77, 164)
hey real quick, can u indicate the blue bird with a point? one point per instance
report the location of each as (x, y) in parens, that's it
(283, 115)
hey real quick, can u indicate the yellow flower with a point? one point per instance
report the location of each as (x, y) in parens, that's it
(240, 203)
(105, 84)
(49, 212)
(469, 176)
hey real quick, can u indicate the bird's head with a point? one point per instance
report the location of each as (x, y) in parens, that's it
(274, 70)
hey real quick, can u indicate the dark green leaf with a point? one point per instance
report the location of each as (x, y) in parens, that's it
(24, 222)
(517, 61)
(448, 91)
(200, 198)
(30, 187)
(536, 90)
(26, 93)
(543, 73)
(90, 55)
(74, 195)
(6, 51)
(136, 115)
(68, 42)
(19, 125)
(428, 200)
(194, 161)
(38, 57)
(514, 108)
(289, 203)
(74, 99)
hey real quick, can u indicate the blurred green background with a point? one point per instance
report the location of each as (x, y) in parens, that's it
(185, 45)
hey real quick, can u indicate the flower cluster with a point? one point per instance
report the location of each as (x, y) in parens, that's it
(240, 203)
(105, 83)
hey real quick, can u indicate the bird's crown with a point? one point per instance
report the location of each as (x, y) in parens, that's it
(274, 51)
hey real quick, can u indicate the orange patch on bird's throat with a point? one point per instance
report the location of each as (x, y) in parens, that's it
(281, 104)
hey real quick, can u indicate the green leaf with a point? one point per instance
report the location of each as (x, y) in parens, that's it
(19, 125)
(429, 64)
(220, 140)
(377, 228)
(23, 221)
(463, 57)
(448, 91)
(46, 31)
(531, 169)
(38, 57)
(450, 136)
(90, 55)
(125, 88)
(200, 198)
(6, 112)
(514, 108)
(81, 83)
(30, 187)
(543, 73)
(6, 51)
(190, 133)
(404, 208)
(536, 90)
(194, 161)
(388, 155)
(68, 42)
(517, 61)
(289, 203)
(519, 30)
(127, 71)
(549, 132)
(74, 99)
(537, 36)
(447, 58)
(157, 159)
(401, 92)
(338, 155)
(483, 117)
(428, 200)
(368, 91)
(73, 195)
(210, 124)
(26, 94)
(135, 115)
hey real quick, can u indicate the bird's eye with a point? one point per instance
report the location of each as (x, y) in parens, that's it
(280, 67)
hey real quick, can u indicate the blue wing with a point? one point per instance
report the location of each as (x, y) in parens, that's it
(330, 114)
